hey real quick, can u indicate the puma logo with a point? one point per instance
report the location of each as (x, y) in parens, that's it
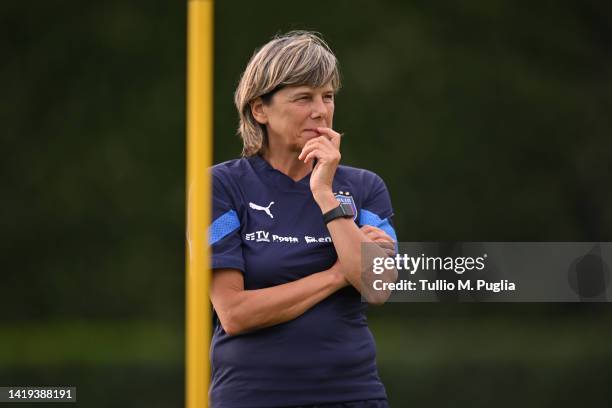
(260, 208)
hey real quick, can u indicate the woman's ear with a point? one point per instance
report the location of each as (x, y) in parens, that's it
(257, 110)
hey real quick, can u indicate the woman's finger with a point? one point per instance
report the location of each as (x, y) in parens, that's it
(367, 228)
(308, 147)
(320, 142)
(377, 237)
(388, 247)
(308, 144)
(380, 238)
(370, 228)
(370, 235)
(373, 232)
(377, 232)
(325, 143)
(312, 155)
(390, 252)
(331, 135)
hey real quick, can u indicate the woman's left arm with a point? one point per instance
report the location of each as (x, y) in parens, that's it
(356, 264)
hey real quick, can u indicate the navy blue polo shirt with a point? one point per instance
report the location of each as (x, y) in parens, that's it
(269, 227)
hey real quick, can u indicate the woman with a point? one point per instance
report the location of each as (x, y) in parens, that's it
(290, 325)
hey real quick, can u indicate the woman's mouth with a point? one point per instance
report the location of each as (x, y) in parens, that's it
(312, 131)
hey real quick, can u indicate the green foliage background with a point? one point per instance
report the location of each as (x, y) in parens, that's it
(488, 120)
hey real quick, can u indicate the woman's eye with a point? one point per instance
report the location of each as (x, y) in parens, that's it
(329, 97)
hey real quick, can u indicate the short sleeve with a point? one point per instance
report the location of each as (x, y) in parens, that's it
(224, 231)
(376, 209)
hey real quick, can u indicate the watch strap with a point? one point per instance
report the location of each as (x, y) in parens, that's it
(341, 211)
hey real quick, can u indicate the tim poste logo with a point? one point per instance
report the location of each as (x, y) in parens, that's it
(314, 240)
(346, 198)
(258, 236)
(264, 236)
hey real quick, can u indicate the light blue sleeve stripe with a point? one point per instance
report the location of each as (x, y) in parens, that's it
(386, 226)
(369, 218)
(222, 226)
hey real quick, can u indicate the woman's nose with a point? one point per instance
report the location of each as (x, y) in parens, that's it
(318, 108)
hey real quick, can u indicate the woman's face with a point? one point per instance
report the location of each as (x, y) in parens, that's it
(294, 113)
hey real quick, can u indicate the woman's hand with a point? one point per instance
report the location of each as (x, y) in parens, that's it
(381, 238)
(326, 150)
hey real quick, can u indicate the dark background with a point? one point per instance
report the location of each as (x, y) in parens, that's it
(488, 120)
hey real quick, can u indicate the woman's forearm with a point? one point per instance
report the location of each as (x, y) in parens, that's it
(246, 310)
(356, 262)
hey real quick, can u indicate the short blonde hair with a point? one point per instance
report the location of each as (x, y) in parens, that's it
(295, 58)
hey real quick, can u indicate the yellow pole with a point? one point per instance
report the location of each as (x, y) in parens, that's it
(199, 152)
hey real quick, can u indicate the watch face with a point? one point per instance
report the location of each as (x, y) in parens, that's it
(347, 209)
(344, 197)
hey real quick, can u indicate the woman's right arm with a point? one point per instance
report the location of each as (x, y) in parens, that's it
(241, 310)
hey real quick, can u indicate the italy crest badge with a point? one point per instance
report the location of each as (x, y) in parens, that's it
(345, 197)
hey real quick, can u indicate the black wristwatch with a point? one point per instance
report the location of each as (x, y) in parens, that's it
(341, 211)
